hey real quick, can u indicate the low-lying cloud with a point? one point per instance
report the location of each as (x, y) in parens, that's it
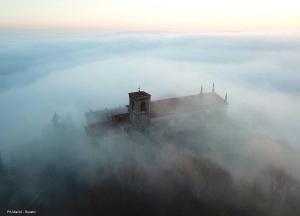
(49, 167)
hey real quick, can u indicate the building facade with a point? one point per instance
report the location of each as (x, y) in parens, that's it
(141, 110)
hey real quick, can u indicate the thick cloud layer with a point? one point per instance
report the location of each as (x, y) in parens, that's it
(72, 73)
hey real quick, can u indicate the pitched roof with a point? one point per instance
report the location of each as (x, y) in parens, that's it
(192, 103)
(139, 94)
(121, 118)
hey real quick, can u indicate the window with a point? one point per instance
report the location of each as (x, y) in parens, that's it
(143, 106)
(132, 105)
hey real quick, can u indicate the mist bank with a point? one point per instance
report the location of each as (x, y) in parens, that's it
(72, 73)
(208, 164)
(243, 162)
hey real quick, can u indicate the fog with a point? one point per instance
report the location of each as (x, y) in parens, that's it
(57, 169)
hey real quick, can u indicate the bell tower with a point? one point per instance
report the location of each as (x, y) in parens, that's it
(139, 108)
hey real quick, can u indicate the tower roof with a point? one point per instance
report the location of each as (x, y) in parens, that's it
(139, 94)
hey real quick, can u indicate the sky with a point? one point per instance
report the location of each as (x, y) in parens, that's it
(142, 15)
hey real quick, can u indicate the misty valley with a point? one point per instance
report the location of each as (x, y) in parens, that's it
(193, 165)
(79, 137)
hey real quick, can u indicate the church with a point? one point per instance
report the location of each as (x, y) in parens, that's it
(141, 111)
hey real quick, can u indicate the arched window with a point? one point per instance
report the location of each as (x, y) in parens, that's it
(132, 105)
(143, 106)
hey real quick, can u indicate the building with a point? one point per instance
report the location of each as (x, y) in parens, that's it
(139, 108)
(140, 111)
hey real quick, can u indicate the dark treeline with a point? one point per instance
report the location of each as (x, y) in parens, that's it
(193, 187)
(170, 173)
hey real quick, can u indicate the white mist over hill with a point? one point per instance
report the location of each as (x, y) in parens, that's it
(72, 73)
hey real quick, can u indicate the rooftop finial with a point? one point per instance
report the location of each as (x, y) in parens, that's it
(226, 98)
(213, 88)
(201, 91)
(139, 88)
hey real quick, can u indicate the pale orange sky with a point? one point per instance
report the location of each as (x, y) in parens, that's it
(160, 15)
